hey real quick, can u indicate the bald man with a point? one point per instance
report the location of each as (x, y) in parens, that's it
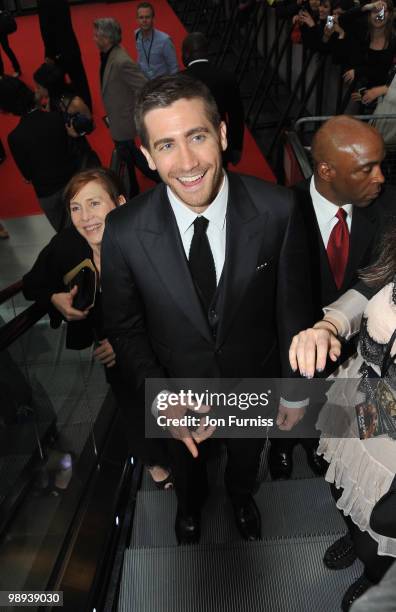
(344, 205)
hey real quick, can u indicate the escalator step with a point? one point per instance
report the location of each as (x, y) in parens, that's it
(288, 508)
(244, 577)
(216, 468)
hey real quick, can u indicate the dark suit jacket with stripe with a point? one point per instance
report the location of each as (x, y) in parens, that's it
(153, 317)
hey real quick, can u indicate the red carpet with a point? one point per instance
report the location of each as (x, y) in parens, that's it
(17, 197)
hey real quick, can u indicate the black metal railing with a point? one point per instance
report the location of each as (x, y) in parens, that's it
(36, 442)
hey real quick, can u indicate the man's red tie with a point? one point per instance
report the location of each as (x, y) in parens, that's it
(338, 248)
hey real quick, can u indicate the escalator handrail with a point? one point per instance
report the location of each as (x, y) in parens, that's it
(11, 331)
(315, 119)
(10, 291)
(300, 153)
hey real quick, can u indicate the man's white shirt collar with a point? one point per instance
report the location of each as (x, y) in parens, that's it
(324, 209)
(215, 213)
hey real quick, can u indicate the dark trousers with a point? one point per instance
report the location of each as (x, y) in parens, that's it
(190, 476)
(74, 67)
(8, 51)
(54, 209)
(132, 156)
(375, 566)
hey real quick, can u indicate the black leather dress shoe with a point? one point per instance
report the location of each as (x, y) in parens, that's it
(280, 463)
(341, 554)
(187, 528)
(356, 590)
(248, 519)
(317, 464)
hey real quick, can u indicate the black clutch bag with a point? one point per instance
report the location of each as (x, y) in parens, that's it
(85, 277)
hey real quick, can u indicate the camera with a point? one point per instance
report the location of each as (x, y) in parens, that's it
(330, 21)
(81, 124)
(380, 15)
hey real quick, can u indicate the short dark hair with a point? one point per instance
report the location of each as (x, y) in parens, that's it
(146, 5)
(15, 96)
(52, 77)
(109, 180)
(164, 91)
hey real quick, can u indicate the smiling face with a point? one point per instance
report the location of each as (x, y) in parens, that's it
(89, 208)
(185, 148)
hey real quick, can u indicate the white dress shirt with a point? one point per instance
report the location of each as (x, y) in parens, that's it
(216, 231)
(326, 211)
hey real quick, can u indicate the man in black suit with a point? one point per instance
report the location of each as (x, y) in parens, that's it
(347, 154)
(223, 87)
(61, 44)
(198, 276)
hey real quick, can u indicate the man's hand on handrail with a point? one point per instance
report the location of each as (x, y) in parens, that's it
(309, 349)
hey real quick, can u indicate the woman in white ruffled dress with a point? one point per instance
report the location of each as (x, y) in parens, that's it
(361, 471)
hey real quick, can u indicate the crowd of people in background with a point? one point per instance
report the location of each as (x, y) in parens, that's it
(359, 37)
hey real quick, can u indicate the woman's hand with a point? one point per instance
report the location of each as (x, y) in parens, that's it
(372, 94)
(309, 349)
(64, 303)
(105, 354)
(338, 28)
(373, 6)
(328, 31)
(306, 19)
(349, 76)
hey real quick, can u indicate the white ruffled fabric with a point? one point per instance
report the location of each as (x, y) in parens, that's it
(364, 469)
(354, 467)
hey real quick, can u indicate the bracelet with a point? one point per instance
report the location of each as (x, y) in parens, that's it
(337, 335)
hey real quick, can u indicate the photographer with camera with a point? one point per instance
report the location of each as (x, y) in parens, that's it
(50, 86)
(39, 146)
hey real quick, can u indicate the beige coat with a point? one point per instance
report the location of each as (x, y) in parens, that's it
(122, 81)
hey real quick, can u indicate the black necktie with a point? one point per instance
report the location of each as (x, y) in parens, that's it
(201, 263)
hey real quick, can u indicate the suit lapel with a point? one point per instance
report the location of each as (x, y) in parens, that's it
(109, 64)
(361, 237)
(321, 273)
(245, 231)
(162, 243)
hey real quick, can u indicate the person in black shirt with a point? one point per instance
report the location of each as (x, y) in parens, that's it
(374, 43)
(39, 147)
(61, 44)
(51, 86)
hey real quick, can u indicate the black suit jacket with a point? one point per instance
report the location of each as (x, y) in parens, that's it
(368, 226)
(152, 314)
(362, 238)
(40, 147)
(225, 90)
(57, 29)
(64, 252)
